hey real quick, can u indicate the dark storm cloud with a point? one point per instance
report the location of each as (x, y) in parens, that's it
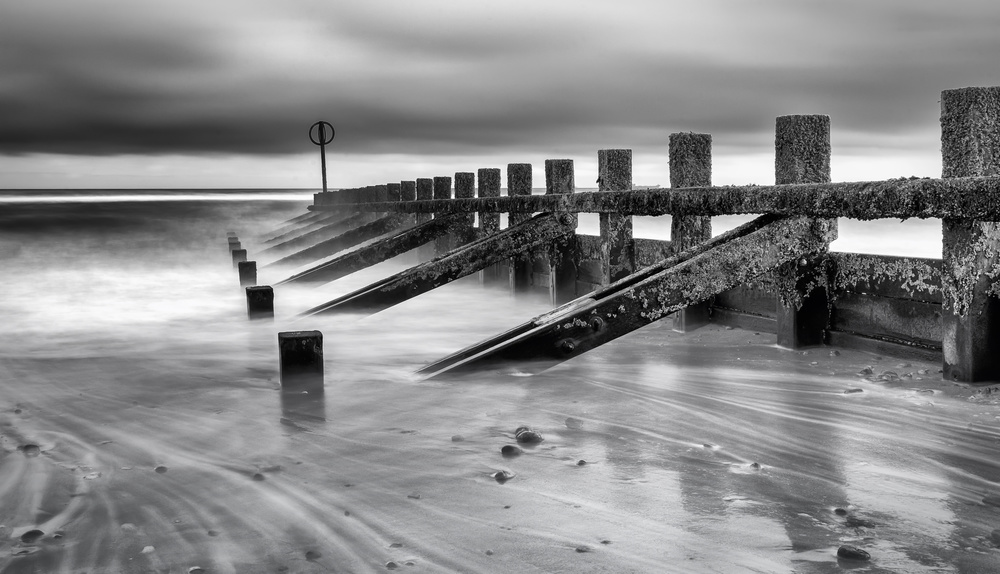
(100, 78)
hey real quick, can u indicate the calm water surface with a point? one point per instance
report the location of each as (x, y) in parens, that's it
(142, 428)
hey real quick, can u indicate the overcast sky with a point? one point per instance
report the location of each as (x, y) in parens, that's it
(210, 93)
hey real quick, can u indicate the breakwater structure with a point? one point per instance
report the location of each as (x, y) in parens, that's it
(773, 274)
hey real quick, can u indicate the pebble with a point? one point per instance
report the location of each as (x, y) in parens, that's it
(849, 391)
(391, 565)
(414, 496)
(160, 469)
(923, 372)
(840, 512)
(888, 376)
(835, 353)
(258, 476)
(30, 450)
(31, 536)
(852, 553)
(866, 371)
(313, 555)
(755, 465)
(510, 450)
(527, 435)
(502, 476)
(148, 549)
(396, 545)
(581, 462)
(457, 438)
(584, 548)
(196, 570)
(489, 553)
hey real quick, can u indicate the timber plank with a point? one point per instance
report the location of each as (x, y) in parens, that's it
(345, 240)
(904, 320)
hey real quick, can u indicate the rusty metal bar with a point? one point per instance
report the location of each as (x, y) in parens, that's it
(645, 296)
(540, 230)
(345, 240)
(963, 198)
(377, 252)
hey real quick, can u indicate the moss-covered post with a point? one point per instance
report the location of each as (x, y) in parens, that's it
(802, 155)
(519, 183)
(690, 166)
(489, 223)
(465, 188)
(442, 190)
(260, 302)
(425, 190)
(559, 178)
(970, 147)
(408, 192)
(614, 169)
(300, 360)
(248, 273)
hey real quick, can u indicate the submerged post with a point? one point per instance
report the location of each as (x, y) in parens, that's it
(260, 302)
(238, 256)
(489, 223)
(614, 168)
(300, 359)
(690, 166)
(970, 147)
(248, 273)
(559, 178)
(802, 155)
(234, 243)
(519, 183)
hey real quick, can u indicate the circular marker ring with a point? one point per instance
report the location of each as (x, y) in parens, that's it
(326, 133)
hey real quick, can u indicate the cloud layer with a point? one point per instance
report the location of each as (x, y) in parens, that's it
(435, 77)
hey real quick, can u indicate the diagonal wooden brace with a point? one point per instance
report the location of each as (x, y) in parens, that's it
(381, 250)
(312, 234)
(331, 221)
(540, 230)
(645, 296)
(345, 240)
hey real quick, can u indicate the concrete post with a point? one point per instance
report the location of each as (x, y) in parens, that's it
(425, 190)
(465, 188)
(690, 166)
(489, 223)
(300, 359)
(248, 273)
(970, 147)
(260, 302)
(239, 255)
(802, 155)
(559, 178)
(614, 167)
(519, 183)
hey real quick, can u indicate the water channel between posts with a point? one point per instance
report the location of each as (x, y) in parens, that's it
(143, 429)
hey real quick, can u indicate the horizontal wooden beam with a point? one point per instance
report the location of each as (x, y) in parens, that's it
(962, 198)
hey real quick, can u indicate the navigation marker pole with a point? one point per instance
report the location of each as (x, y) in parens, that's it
(324, 135)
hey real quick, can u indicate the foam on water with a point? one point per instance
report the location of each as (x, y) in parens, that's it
(164, 444)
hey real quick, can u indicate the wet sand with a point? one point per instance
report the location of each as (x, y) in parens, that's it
(164, 442)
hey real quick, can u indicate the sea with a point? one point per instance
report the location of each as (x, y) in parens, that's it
(143, 428)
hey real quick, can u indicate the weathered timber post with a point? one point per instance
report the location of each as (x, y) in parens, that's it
(393, 192)
(519, 183)
(614, 168)
(248, 273)
(489, 223)
(238, 256)
(562, 255)
(425, 190)
(408, 192)
(970, 147)
(802, 155)
(465, 187)
(260, 302)
(300, 356)
(690, 166)
(231, 234)
(442, 190)
(234, 243)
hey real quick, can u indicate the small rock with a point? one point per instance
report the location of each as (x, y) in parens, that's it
(755, 465)
(489, 553)
(213, 533)
(30, 450)
(257, 476)
(849, 391)
(391, 565)
(814, 362)
(527, 435)
(581, 462)
(866, 371)
(148, 550)
(888, 376)
(396, 545)
(31, 536)
(502, 476)
(730, 328)
(414, 496)
(160, 469)
(584, 548)
(835, 353)
(196, 570)
(313, 555)
(903, 366)
(840, 511)
(923, 372)
(852, 553)
(992, 500)
(510, 450)
(605, 542)
(457, 438)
